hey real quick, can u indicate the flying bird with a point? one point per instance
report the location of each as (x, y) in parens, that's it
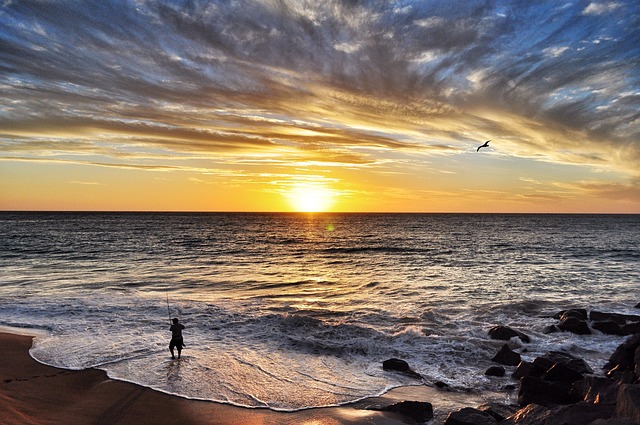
(486, 145)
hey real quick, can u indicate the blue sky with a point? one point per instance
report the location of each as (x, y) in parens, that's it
(380, 105)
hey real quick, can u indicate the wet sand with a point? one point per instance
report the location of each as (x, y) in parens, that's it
(33, 393)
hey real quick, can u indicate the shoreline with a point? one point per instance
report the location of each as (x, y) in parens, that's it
(35, 393)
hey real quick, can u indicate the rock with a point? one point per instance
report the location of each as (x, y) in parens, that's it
(624, 355)
(581, 413)
(598, 316)
(506, 356)
(524, 369)
(562, 373)
(636, 360)
(535, 390)
(495, 371)
(575, 325)
(631, 328)
(637, 305)
(396, 364)
(595, 389)
(571, 361)
(419, 411)
(505, 333)
(532, 414)
(550, 329)
(628, 405)
(470, 416)
(608, 328)
(614, 421)
(441, 385)
(498, 410)
(578, 313)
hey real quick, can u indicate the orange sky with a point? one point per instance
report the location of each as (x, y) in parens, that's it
(286, 106)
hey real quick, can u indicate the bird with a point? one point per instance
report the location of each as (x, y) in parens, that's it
(486, 145)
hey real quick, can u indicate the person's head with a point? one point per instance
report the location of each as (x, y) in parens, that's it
(175, 320)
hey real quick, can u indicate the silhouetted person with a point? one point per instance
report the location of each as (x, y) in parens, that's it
(176, 338)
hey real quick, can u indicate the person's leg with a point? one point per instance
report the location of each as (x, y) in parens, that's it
(171, 345)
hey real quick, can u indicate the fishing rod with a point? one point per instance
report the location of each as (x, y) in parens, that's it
(168, 309)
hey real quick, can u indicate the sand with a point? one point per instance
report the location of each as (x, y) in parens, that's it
(33, 393)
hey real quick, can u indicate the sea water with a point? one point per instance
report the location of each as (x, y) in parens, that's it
(290, 311)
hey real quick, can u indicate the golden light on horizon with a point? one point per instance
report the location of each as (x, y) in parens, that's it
(310, 198)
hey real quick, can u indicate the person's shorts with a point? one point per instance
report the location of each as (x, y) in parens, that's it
(176, 342)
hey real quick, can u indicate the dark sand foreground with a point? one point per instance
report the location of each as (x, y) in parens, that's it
(33, 393)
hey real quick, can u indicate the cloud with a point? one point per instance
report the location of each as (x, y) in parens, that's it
(331, 82)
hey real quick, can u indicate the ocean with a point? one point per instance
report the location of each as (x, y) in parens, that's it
(292, 311)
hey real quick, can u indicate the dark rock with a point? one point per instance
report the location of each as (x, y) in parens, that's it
(396, 364)
(575, 325)
(608, 328)
(562, 373)
(632, 317)
(506, 356)
(535, 390)
(543, 364)
(581, 413)
(505, 333)
(636, 360)
(624, 355)
(598, 316)
(614, 421)
(498, 410)
(550, 329)
(578, 313)
(495, 371)
(525, 369)
(628, 405)
(637, 305)
(419, 411)
(631, 328)
(470, 416)
(532, 414)
(571, 361)
(595, 389)
(441, 385)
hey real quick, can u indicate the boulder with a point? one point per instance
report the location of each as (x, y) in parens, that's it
(624, 355)
(569, 360)
(563, 374)
(595, 389)
(574, 325)
(396, 364)
(628, 405)
(631, 328)
(550, 329)
(470, 416)
(524, 369)
(498, 410)
(598, 316)
(609, 328)
(581, 413)
(535, 390)
(419, 411)
(505, 333)
(578, 313)
(495, 371)
(506, 356)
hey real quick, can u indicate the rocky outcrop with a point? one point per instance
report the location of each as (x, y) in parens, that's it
(470, 416)
(419, 411)
(506, 356)
(505, 333)
(581, 322)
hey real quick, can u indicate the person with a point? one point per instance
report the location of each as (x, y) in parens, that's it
(176, 337)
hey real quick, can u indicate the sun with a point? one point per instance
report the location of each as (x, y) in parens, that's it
(310, 198)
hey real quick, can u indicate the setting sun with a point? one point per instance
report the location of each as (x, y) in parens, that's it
(310, 198)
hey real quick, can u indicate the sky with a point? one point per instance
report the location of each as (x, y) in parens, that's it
(349, 105)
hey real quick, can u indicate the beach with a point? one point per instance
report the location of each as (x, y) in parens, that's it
(34, 393)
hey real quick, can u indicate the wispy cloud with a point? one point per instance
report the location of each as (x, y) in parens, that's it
(321, 84)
